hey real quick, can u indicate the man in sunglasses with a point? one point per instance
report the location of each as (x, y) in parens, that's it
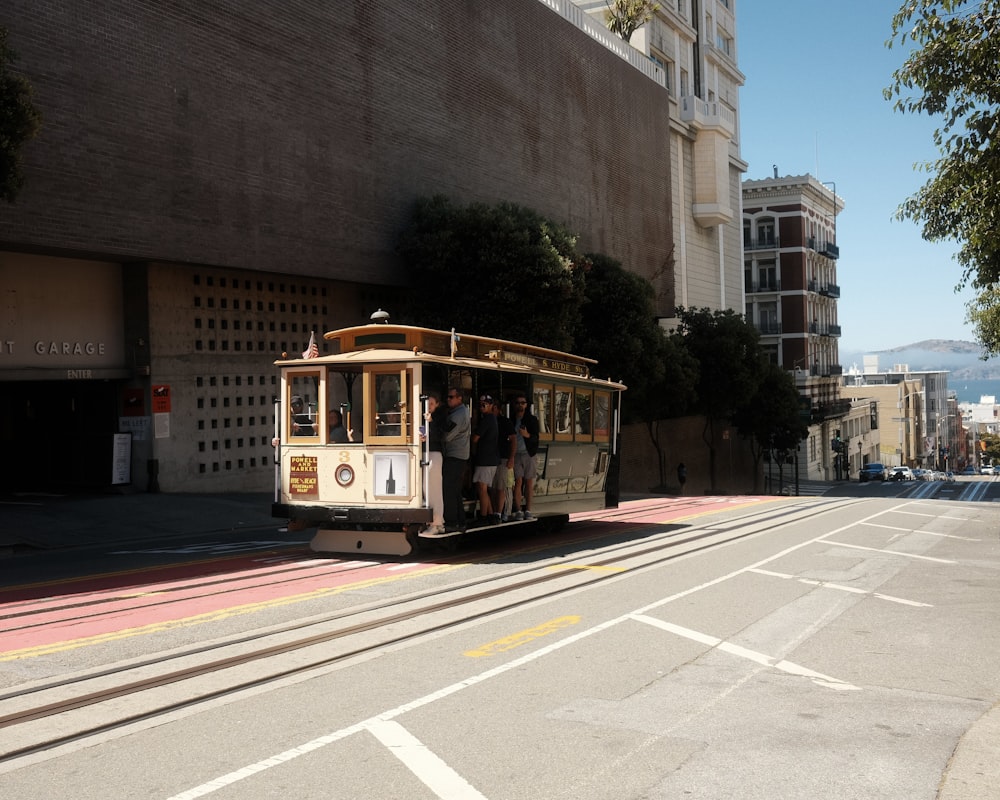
(526, 431)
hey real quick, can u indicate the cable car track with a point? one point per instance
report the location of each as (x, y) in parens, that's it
(32, 607)
(518, 584)
(294, 573)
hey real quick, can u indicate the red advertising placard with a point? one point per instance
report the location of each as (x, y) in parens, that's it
(133, 403)
(161, 399)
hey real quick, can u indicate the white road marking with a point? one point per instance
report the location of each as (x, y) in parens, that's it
(890, 552)
(935, 516)
(517, 663)
(751, 655)
(432, 771)
(916, 530)
(841, 588)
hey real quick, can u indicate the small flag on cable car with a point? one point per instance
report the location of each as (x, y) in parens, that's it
(312, 351)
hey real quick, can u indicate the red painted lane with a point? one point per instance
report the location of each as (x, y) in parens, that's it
(93, 590)
(190, 601)
(654, 510)
(95, 607)
(126, 580)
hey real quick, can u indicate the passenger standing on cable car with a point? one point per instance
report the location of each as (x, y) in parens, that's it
(456, 456)
(436, 421)
(525, 471)
(503, 483)
(486, 459)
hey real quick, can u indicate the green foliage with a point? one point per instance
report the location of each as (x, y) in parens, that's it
(728, 349)
(953, 71)
(500, 270)
(19, 121)
(623, 17)
(731, 366)
(771, 416)
(617, 326)
(984, 313)
(506, 271)
(990, 448)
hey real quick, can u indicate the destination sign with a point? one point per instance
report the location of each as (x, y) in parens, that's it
(550, 364)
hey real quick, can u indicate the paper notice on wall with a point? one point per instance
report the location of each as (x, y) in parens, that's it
(161, 426)
(121, 459)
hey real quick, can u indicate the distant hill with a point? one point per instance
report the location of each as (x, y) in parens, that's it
(960, 358)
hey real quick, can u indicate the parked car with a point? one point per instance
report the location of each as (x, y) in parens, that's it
(986, 470)
(875, 471)
(901, 474)
(923, 474)
(969, 470)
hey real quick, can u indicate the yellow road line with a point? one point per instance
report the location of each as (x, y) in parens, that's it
(523, 637)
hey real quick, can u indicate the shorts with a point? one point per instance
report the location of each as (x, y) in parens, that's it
(524, 466)
(500, 482)
(484, 475)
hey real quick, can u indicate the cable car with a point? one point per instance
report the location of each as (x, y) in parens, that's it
(370, 494)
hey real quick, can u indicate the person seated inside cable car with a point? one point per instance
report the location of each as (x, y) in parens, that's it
(302, 423)
(337, 432)
(387, 423)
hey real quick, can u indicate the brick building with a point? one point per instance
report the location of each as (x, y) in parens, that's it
(790, 276)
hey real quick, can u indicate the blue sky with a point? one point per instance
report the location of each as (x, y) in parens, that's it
(812, 103)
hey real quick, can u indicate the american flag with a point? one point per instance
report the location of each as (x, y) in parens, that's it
(312, 351)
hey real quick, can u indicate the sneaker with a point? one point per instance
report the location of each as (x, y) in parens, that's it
(432, 529)
(528, 515)
(494, 519)
(517, 515)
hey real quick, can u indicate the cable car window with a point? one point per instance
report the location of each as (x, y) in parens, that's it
(542, 409)
(602, 416)
(340, 395)
(302, 406)
(386, 389)
(584, 403)
(563, 413)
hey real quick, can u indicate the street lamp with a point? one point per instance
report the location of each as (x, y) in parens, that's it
(944, 449)
(904, 437)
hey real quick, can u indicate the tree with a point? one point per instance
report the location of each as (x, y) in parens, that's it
(731, 366)
(502, 271)
(673, 395)
(623, 17)
(954, 71)
(19, 121)
(771, 417)
(989, 448)
(618, 327)
(617, 324)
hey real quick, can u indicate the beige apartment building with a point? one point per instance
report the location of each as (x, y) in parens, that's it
(690, 49)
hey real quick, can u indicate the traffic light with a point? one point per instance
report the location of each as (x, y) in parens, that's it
(835, 443)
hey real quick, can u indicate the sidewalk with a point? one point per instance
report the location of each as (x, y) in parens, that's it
(37, 522)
